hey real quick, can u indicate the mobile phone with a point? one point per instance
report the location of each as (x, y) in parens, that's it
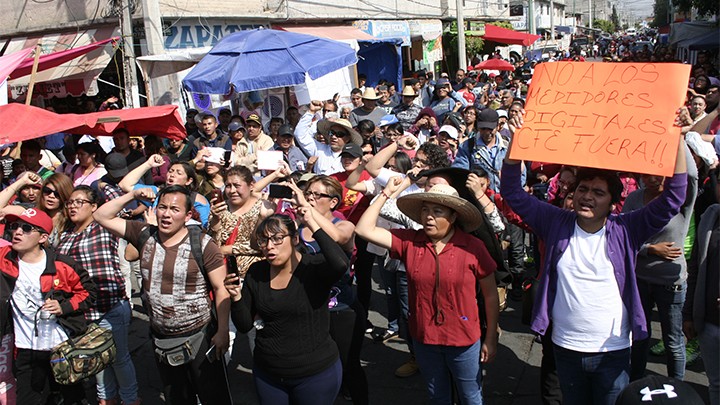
(217, 194)
(280, 191)
(227, 156)
(210, 354)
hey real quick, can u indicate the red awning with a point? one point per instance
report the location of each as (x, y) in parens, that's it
(163, 121)
(505, 36)
(495, 64)
(57, 58)
(22, 122)
(9, 63)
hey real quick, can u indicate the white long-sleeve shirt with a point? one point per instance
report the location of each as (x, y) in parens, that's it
(328, 162)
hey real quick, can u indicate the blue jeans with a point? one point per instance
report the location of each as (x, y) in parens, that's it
(709, 340)
(318, 389)
(669, 304)
(592, 378)
(388, 273)
(444, 365)
(120, 376)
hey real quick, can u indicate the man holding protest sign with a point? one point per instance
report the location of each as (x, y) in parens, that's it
(587, 288)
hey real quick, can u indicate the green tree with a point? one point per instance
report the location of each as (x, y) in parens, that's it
(661, 10)
(704, 7)
(604, 25)
(614, 19)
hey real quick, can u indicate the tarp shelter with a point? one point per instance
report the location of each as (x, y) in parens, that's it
(154, 66)
(690, 37)
(75, 76)
(495, 64)
(9, 63)
(377, 58)
(22, 122)
(505, 36)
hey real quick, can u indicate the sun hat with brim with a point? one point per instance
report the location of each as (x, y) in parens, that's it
(369, 94)
(409, 91)
(33, 217)
(324, 126)
(469, 217)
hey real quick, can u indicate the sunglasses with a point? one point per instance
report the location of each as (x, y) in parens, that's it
(47, 191)
(338, 134)
(26, 228)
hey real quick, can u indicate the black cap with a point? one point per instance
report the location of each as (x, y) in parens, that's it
(657, 389)
(286, 130)
(488, 118)
(352, 149)
(116, 165)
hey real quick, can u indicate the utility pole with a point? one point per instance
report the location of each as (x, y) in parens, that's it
(462, 58)
(154, 39)
(552, 20)
(531, 17)
(590, 13)
(132, 97)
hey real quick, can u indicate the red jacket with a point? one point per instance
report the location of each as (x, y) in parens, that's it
(63, 280)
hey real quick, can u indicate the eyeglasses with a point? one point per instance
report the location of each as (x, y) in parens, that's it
(47, 191)
(26, 228)
(339, 134)
(262, 241)
(79, 203)
(317, 196)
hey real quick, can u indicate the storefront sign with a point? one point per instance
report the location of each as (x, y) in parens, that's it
(519, 24)
(194, 35)
(385, 29)
(427, 29)
(59, 88)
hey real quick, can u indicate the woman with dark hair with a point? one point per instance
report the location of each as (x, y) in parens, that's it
(445, 266)
(54, 191)
(89, 167)
(154, 146)
(286, 298)
(235, 216)
(179, 173)
(701, 84)
(94, 248)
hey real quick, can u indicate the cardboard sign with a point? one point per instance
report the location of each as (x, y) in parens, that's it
(615, 116)
(269, 159)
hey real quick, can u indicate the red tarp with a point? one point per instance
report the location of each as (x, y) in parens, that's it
(57, 58)
(495, 64)
(505, 36)
(22, 122)
(9, 63)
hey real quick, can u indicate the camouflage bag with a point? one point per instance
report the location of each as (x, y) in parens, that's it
(83, 356)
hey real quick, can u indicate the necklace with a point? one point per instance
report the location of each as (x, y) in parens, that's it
(83, 178)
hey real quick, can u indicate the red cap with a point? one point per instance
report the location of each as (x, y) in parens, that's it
(33, 217)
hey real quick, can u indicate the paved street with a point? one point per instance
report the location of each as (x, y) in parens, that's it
(513, 378)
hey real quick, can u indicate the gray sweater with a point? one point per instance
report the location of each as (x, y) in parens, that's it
(654, 269)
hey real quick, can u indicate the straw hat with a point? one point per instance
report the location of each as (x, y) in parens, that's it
(324, 126)
(408, 91)
(469, 218)
(369, 94)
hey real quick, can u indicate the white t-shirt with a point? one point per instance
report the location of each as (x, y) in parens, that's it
(588, 314)
(27, 300)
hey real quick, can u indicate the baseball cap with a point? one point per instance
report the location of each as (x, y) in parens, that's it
(488, 118)
(254, 118)
(502, 113)
(352, 149)
(116, 165)
(33, 217)
(235, 126)
(387, 120)
(657, 389)
(468, 80)
(286, 130)
(450, 130)
(442, 81)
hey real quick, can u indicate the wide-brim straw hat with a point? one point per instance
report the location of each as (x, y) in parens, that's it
(324, 126)
(468, 216)
(408, 91)
(369, 94)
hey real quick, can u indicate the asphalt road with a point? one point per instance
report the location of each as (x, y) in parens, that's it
(513, 378)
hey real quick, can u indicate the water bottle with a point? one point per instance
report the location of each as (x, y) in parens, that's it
(45, 327)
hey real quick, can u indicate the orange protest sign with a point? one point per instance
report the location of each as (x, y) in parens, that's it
(605, 115)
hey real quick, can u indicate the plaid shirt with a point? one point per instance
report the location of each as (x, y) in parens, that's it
(96, 250)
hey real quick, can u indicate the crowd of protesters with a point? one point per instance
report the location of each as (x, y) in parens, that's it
(412, 183)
